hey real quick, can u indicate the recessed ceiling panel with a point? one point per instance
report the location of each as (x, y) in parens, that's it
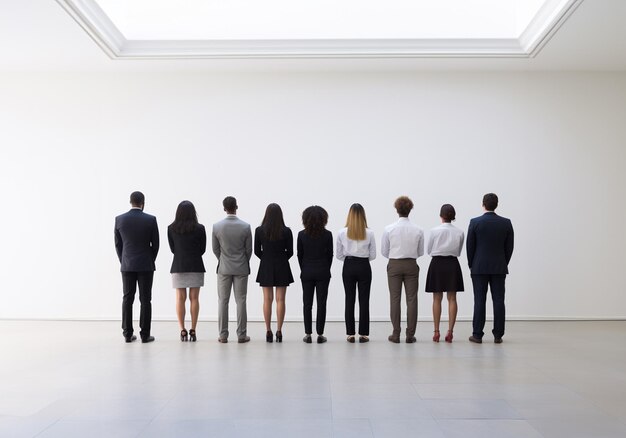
(292, 28)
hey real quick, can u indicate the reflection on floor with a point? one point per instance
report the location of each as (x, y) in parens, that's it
(79, 379)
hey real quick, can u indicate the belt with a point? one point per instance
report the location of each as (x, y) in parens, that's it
(357, 258)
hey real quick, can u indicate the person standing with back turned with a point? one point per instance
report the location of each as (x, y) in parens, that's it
(232, 245)
(489, 250)
(137, 246)
(403, 243)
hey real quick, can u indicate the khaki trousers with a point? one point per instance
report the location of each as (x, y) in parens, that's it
(403, 271)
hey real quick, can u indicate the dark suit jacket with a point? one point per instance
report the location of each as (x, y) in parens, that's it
(315, 255)
(136, 241)
(489, 244)
(188, 249)
(274, 269)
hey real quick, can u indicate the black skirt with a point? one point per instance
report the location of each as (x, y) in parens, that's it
(444, 275)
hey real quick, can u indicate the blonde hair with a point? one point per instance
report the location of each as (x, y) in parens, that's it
(356, 222)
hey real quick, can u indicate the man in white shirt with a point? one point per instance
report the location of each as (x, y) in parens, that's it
(402, 243)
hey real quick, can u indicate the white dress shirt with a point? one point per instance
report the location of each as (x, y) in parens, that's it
(402, 240)
(445, 240)
(356, 248)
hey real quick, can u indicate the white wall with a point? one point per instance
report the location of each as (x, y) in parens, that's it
(74, 146)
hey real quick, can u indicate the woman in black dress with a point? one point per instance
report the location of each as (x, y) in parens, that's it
(315, 256)
(273, 244)
(187, 239)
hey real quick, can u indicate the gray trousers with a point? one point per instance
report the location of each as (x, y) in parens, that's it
(239, 284)
(403, 271)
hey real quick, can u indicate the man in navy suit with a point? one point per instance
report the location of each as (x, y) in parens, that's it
(489, 249)
(137, 245)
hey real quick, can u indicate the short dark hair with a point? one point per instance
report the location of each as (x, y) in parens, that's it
(490, 201)
(314, 219)
(447, 213)
(137, 199)
(230, 204)
(403, 205)
(186, 218)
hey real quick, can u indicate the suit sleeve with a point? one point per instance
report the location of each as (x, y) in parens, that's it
(170, 239)
(471, 242)
(508, 244)
(155, 240)
(215, 244)
(329, 249)
(299, 249)
(203, 241)
(119, 244)
(289, 248)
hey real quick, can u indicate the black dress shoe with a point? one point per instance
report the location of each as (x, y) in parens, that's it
(363, 339)
(147, 339)
(243, 339)
(222, 340)
(321, 339)
(394, 339)
(307, 339)
(475, 340)
(411, 339)
(130, 339)
(497, 341)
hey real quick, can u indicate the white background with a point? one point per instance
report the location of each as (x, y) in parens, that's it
(73, 147)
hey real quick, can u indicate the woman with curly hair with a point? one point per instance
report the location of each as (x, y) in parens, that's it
(315, 256)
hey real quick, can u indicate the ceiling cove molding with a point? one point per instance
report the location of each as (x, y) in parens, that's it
(107, 36)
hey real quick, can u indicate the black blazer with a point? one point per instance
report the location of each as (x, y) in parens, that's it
(136, 241)
(188, 249)
(489, 244)
(274, 269)
(315, 255)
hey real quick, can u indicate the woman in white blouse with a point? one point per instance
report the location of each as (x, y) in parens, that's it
(356, 247)
(444, 273)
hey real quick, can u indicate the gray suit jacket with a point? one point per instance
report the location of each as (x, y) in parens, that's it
(232, 245)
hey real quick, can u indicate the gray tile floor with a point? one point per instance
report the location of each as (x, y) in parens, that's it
(78, 379)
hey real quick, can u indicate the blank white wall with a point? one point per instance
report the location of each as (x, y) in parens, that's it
(74, 146)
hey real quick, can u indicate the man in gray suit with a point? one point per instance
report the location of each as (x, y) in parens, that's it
(232, 245)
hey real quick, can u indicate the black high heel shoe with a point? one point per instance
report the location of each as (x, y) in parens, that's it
(192, 335)
(269, 336)
(183, 335)
(279, 336)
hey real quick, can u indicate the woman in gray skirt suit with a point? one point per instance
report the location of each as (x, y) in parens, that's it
(187, 239)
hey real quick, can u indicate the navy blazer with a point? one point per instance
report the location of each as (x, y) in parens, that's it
(136, 241)
(489, 244)
(188, 249)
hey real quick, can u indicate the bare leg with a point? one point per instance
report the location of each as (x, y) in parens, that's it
(181, 296)
(268, 297)
(437, 298)
(194, 306)
(280, 307)
(452, 310)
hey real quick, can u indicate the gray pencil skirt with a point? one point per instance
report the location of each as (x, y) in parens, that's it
(182, 280)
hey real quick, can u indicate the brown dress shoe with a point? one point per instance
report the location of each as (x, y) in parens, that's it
(243, 339)
(222, 340)
(394, 339)
(475, 340)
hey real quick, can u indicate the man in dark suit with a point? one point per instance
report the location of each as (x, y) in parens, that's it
(489, 249)
(137, 245)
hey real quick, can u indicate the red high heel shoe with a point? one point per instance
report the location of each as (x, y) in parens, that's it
(436, 336)
(449, 336)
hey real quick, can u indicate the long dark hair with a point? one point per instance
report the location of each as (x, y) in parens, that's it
(314, 219)
(186, 218)
(273, 222)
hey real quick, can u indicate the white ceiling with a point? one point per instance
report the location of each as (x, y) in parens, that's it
(38, 35)
(319, 19)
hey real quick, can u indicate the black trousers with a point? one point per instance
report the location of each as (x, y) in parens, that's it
(481, 283)
(309, 287)
(130, 280)
(357, 273)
